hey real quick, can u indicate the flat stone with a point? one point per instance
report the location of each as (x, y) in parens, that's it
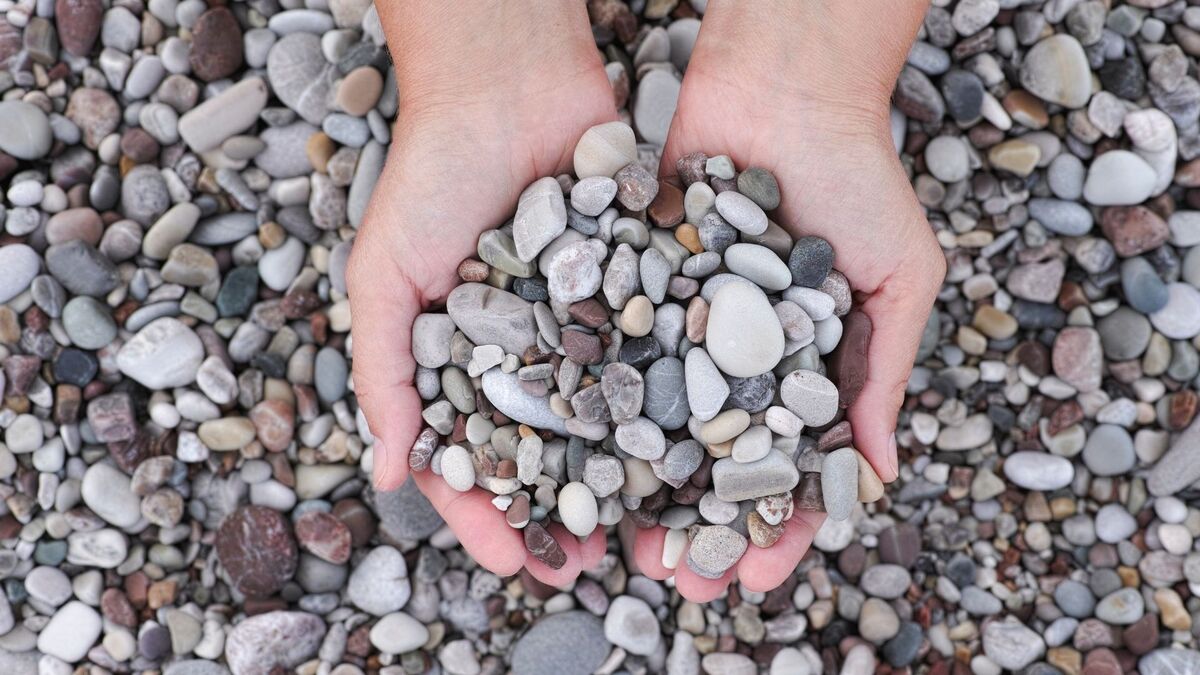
(81, 269)
(1060, 216)
(641, 438)
(1133, 230)
(504, 391)
(839, 482)
(1119, 177)
(811, 396)
(1040, 471)
(1179, 319)
(300, 76)
(654, 106)
(1012, 645)
(666, 399)
(734, 481)
(490, 316)
(232, 111)
(164, 354)
(279, 639)
(1180, 466)
(741, 212)
(1078, 358)
(539, 650)
(106, 491)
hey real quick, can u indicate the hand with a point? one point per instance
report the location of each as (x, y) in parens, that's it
(464, 148)
(841, 180)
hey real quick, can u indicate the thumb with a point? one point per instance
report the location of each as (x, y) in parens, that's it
(875, 358)
(384, 306)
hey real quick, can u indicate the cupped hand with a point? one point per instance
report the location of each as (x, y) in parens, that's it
(459, 160)
(840, 180)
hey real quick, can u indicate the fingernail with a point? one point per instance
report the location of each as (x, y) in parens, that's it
(379, 458)
(892, 459)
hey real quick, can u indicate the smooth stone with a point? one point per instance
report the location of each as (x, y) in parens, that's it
(277, 639)
(591, 195)
(743, 334)
(489, 316)
(1144, 289)
(1056, 70)
(539, 650)
(839, 482)
(641, 438)
(631, 625)
(665, 399)
(504, 391)
(1039, 471)
(88, 322)
(947, 159)
(431, 335)
(714, 549)
(223, 229)
(26, 132)
(810, 262)
(20, 264)
(706, 388)
(70, 633)
(106, 490)
(1119, 177)
(578, 509)
(1121, 608)
(300, 76)
(752, 445)
(604, 149)
(654, 106)
(379, 583)
(574, 273)
(1179, 319)
(734, 481)
(1012, 645)
(1060, 216)
(1109, 451)
(81, 269)
(540, 218)
(759, 265)
(164, 354)
(232, 111)
(741, 212)
(810, 396)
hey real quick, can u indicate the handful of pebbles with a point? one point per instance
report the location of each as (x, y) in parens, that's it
(630, 347)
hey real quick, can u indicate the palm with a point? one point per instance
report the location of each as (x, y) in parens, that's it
(452, 174)
(840, 181)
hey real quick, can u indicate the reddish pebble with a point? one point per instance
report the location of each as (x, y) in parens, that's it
(323, 535)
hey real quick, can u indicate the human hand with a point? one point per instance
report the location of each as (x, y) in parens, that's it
(466, 144)
(831, 152)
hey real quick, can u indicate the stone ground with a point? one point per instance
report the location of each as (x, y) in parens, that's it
(180, 464)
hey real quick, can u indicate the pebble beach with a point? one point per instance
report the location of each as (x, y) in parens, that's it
(185, 472)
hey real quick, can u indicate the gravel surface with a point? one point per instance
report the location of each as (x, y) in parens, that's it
(181, 453)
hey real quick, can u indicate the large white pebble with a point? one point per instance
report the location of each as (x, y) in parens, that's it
(743, 335)
(578, 509)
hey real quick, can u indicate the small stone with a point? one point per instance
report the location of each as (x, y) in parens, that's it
(714, 549)
(277, 639)
(742, 213)
(839, 482)
(1038, 470)
(26, 131)
(631, 625)
(734, 349)
(604, 149)
(541, 545)
(1056, 70)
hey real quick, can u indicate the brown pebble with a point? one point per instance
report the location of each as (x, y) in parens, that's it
(667, 208)
(690, 168)
(1133, 229)
(422, 449)
(807, 495)
(517, 514)
(542, 545)
(216, 45)
(689, 236)
(325, 536)
(319, 149)
(762, 533)
(473, 270)
(359, 91)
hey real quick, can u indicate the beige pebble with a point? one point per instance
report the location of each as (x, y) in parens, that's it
(870, 488)
(637, 319)
(359, 91)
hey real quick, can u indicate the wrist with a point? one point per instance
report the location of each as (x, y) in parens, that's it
(491, 55)
(835, 59)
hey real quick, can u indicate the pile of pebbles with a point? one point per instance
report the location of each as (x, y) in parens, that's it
(644, 350)
(182, 459)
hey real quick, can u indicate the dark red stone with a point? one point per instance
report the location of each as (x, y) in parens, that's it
(216, 45)
(256, 547)
(849, 363)
(543, 546)
(78, 23)
(1133, 229)
(324, 536)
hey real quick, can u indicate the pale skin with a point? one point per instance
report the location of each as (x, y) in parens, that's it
(493, 97)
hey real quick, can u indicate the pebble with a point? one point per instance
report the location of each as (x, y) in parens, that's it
(741, 212)
(379, 583)
(26, 135)
(21, 265)
(714, 549)
(604, 149)
(839, 482)
(1038, 470)
(631, 625)
(1056, 70)
(274, 639)
(734, 351)
(538, 651)
(165, 353)
(70, 633)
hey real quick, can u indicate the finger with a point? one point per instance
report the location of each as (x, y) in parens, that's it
(478, 524)
(889, 330)
(384, 309)
(648, 552)
(762, 569)
(592, 549)
(696, 588)
(559, 578)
